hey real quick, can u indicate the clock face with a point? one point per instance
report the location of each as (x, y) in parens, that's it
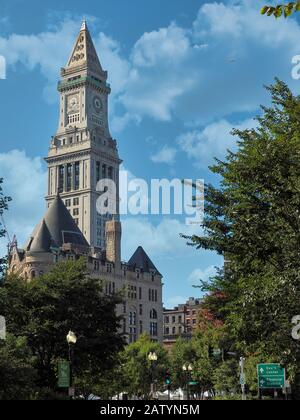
(97, 103)
(73, 104)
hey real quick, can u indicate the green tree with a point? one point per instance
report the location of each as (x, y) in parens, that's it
(64, 299)
(183, 353)
(253, 220)
(16, 369)
(137, 373)
(279, 10)
(4, 200)
(226, 378)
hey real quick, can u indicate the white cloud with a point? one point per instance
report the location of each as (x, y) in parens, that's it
(213, 141)
(175, 72)
(47, 50)
(213, 69)
(166, 45)
(161, 240)
(25, 181)
(165, 155)
(199, 274)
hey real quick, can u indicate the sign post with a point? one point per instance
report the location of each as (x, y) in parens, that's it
(64, 374)
(271, 376)
(243, 378)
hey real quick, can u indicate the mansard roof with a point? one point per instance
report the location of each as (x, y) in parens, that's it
(57, 228)
(140, 260)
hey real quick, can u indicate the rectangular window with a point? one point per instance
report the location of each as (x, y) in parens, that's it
(61, 176)
(77, 175)
(153, 329)
(98, 175)
(69, 177)
(76, 212)
(104, 171)
(76, 201)
(73, 118)
(140, 293)
(110, 172)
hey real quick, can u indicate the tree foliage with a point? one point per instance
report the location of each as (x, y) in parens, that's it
(137, 372)
(44, 310)
(279, 10)
(17, 371)
(253, 220)
(4, 200)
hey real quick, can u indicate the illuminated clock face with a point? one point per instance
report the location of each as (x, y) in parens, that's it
(73, 104)
(97, 103)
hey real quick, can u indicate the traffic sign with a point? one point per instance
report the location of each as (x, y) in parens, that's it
(193, 383)
(271, 376)
(63, 374)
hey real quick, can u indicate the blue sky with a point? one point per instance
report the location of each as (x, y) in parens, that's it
(183, 74)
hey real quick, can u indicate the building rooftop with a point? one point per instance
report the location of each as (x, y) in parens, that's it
(140, 260)
(57, 228)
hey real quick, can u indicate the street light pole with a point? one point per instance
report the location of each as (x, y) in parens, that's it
(71, 340)
(188, 371)
(152, 357)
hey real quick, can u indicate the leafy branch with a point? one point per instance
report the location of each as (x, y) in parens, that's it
(285, 10)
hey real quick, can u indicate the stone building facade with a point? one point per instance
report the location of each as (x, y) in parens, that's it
(82, 153)
(180, 321)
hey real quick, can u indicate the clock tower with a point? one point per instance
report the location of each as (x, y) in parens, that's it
(83, 152)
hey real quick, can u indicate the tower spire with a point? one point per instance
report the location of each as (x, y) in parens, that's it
(84, 55)
(84, 25)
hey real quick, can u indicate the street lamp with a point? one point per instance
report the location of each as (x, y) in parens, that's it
(187, 369)
(152, 357)
(71, 340)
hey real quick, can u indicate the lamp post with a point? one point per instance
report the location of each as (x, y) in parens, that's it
(152, 357)
(71, 340)
(187, 369)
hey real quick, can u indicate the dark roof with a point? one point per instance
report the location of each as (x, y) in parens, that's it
(57, 228)
(42, 241)
(141, 260)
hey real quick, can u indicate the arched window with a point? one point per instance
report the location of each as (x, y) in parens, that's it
(153, 314)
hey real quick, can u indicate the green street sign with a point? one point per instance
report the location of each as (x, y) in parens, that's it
(193, 383)
(271, 376)
(63, 374)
